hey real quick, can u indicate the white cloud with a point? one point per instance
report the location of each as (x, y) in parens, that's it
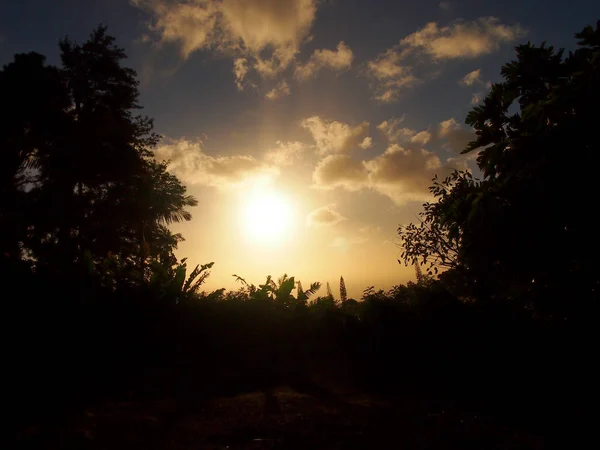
(476, 99)
(472, 77)
(267, 33)
(337, 60)
(192, 165)
(395, 69)
(281, 90)
(335, 137)
(285, 154)
(324, 216)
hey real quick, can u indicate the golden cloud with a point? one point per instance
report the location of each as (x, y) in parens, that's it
(189, 162)
(340, 171)
(245, 28)
(338, 59)
(402, 173)
(472, 77)
(448, 134)
(394, 69)
(332, 136)
(324, 216)
(463, 39)
(285, 154)
(281, 90)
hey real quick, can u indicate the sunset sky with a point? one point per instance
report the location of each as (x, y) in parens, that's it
(309, 130)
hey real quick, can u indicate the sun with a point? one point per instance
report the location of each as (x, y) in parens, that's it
(267, 216)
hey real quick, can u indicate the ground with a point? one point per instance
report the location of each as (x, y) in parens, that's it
(292, 415)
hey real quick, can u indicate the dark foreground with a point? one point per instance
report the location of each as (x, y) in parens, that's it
(288, 414)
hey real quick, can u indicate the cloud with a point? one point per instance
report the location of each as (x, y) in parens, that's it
(366, 143)
(405, 175)
(240, 70)
(285, 154)
(396, 68)
(324, 216)
(401, 174)
(390, 76)
(266, 33)
(456, 137)
(394, 132)
(281, 90)
(405, 170)
(337, 60)
(192, 165)
(478, 97)
(192, 25)
(472, 77)
(462, 39)
(340, 171)
(335, 137)
(449, 134)
(446, 6)
(421, 138)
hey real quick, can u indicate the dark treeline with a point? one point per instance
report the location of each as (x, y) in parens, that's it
(96, 305)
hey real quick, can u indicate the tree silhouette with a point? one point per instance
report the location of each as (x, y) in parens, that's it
(33, 112)
(343, 293)
(418, 273)
(78, 179)
(522, 232)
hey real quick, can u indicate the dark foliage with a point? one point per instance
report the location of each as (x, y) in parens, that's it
(522, 234)
(81, 191)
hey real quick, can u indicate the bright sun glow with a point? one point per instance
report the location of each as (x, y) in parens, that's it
(267, 216)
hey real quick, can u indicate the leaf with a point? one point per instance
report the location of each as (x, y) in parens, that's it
(179, 278)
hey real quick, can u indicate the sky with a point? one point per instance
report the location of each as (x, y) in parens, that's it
(309, 130)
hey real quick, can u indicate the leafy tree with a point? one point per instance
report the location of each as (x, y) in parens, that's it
(343, 293)
(329, 293)
(303, 295)
(418, 273)
(281, 291)
(437, 240)
(169, 282)
(81, 184)
(522, 232)
(33, 106)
